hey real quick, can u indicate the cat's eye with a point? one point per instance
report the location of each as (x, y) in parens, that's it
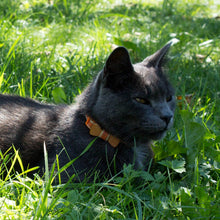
(169, 98)
(142, 101)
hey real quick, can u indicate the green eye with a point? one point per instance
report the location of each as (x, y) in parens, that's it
(142, 101)
(169, 98)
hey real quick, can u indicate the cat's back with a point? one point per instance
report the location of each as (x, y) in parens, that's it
(14, 109)
(7, 101)
(27, 125)
(26, 122)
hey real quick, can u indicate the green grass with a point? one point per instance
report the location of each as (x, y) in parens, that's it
(50, 50)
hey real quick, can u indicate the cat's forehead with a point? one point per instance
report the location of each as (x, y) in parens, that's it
(152, 82)
(147, 75)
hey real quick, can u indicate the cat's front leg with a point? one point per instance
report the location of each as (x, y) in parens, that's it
(143, 156)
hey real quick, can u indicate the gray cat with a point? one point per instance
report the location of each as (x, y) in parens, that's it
(123, 109)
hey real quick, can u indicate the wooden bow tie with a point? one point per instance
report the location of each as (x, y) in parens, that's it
(96, 131)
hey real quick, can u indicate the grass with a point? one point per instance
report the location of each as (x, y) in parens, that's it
(50, 50)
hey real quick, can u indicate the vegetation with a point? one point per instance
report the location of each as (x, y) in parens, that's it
(50, 50)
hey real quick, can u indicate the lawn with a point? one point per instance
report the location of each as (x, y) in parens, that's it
(50, 50)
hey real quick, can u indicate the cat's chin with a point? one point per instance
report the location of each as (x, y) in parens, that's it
(152, 136)
(158, 135)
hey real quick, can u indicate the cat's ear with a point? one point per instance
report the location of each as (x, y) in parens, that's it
(157, 59)
(118, 68)
(118, 62)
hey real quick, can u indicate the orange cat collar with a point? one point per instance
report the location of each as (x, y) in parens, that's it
(95, 130)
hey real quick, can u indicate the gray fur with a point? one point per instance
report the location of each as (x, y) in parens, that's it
(111, 100)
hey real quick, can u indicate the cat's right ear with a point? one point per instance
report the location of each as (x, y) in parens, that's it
(118, 68)
(118, 62)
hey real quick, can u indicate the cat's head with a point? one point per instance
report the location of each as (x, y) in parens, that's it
(134, 100)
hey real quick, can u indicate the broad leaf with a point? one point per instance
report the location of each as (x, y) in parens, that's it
(59, 95)
(176, 165)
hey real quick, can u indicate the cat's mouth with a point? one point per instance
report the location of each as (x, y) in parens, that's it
(155, 135)
(155, 132)
(158, 135)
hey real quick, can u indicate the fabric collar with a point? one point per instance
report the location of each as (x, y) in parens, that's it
(95, 130)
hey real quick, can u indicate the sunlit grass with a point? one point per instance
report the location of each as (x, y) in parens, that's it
(50, 50)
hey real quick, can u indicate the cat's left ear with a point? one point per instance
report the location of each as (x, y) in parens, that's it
(156, 60)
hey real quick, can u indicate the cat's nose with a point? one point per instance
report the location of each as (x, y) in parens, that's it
(166, 118)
